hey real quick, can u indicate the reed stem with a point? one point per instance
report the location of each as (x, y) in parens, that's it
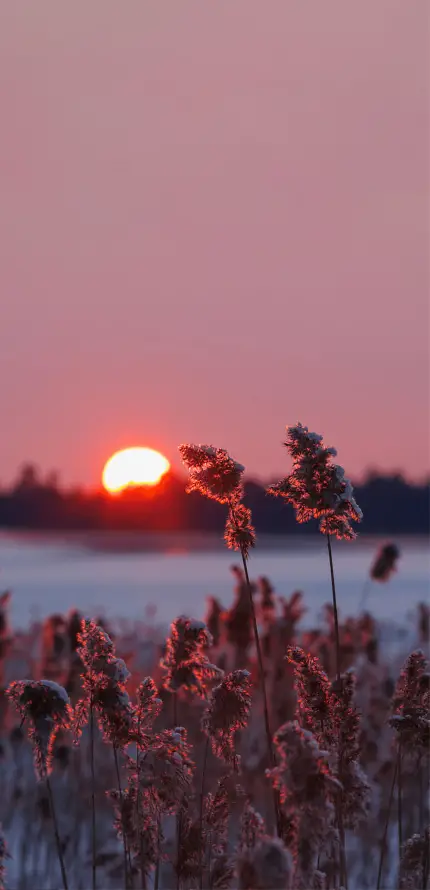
(343, 868)
(399, 798)
(202, 793)
(387, 822)
(57, 833)
(124, 841)
(335, 616)
(93, 797)
(263, 690)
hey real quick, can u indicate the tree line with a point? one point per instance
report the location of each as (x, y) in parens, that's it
(390, 505)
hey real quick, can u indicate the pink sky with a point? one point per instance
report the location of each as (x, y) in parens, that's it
(213, 222)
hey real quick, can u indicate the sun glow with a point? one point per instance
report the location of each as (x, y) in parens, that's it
(133, 467)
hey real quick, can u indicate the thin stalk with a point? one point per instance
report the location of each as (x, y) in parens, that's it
(142, 869)
(399, 798)
(56, 832)
(202, 793)
(263, 690)
(157, 867)
(421, 795)
(178, 815)
(118, 778)
(93, 797)
(343, 869)
(426, 866)
(336, 622)
(387, 822)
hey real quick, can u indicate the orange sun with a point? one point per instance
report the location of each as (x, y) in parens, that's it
(133, 467)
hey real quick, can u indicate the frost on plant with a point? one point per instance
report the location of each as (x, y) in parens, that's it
(266, 866)
(227, 712)
(213, 472)
(306, 785)
(45, 707)
(216, 475)
(185, 663)
(316, 487)
(411, 704)
(103, 684)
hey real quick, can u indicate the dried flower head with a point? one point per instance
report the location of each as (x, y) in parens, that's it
(252, 828)
(411, 703)
(147, 709)
(142, 832)
(166, 772)
(314, 703)
(103, 687)
(266, 866)
(213, 472)
(415, 862)
(303, 776)
(306, 785)
(316, 487)
(227, 712)
(46, 707)
(216, 814)
(385, 563)
(95, 645)
(3, 855)
(239, 531)
(185, 662)
(354, 797)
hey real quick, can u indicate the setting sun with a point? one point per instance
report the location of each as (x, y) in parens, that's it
(133, 467)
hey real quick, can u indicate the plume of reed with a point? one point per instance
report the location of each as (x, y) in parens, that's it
(306, 785)
(3, 855)
(411, 721)
(185, 663)
(45, 706)
(104, 698)
(414, 862)
(214, 474)
(318, 489)
(267, 865)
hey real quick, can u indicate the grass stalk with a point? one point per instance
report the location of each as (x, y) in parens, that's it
(269, 737)
(387, 822)
(202, 794)
(399, 798)
(343, 868)
(124, 841)
(93, 799)
(57, 833)
(335, 615)
(178, 815)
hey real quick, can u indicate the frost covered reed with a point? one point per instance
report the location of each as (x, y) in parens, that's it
(215, 474)
(267, 865)
(306, 785)
(3, 856)
(45, 707)
(318, 489)
(185, 663)
(186, 806)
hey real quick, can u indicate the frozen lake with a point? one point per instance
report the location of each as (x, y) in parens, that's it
(122, 575)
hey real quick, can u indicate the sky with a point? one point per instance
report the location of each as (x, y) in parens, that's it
(214, 221)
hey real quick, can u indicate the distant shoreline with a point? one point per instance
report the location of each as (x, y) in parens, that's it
(122, 541)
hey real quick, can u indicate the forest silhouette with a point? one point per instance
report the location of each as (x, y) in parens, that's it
(390, 505)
